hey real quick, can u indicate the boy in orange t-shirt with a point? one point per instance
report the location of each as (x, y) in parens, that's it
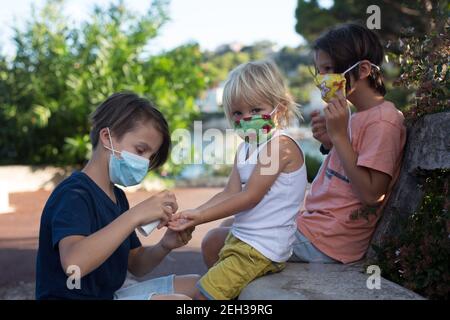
(365, 149)
(364, 152)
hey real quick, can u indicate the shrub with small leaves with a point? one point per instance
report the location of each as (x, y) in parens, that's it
(424, 65)
(419, 257)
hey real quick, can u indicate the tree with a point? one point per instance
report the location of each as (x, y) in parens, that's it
(313, 19)
(61, 73)
(397, 17)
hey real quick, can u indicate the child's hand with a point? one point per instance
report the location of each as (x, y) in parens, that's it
(184, 220)
(161, 206)
(173, 239)
(319, 129)
(336, 118)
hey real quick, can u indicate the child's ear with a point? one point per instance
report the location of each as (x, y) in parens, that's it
(364, 69)
(103, 137)
(282, 111)
(282, 106)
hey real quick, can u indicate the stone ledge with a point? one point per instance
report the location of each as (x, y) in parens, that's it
(309, 281)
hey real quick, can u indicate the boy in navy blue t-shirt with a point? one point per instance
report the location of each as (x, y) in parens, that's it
(87, 227)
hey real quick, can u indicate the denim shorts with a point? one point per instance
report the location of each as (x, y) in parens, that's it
(305, 251)
(146, 289)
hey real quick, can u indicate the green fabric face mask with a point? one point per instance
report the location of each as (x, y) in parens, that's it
(255, 129)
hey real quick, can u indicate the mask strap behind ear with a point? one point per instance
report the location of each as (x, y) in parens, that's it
(273, 111)
(351, 67)
(110, 141)
(372, 64)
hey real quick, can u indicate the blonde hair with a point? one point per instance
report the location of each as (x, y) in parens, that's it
(257, 82)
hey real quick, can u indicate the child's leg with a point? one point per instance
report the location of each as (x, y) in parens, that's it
(164, 288)
(185, 285)
(212, 244)
(239, 264)
(227, 223)
(174, 296)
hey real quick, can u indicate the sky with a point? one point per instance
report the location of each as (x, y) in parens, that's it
(208, 22)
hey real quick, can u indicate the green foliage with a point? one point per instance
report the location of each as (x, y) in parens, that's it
(312, 19)
(424, 64)
(396, 16)
(61, 73)
(218, 65)
(302, 84)
(419, 257)
(312, 166)
(296, 64)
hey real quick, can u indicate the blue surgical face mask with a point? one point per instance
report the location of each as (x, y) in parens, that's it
(128, 170)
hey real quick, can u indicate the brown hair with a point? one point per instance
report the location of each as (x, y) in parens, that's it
(121, 112)
(348, 43)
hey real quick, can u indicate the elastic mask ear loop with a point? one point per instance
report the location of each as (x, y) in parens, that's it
(372, 64)
(110, 141)
(348, 69)
(273, 111)
(343, 73)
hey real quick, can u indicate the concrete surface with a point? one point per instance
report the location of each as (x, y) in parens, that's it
(305, 281)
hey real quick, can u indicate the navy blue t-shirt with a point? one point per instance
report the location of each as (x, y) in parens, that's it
(78, 206)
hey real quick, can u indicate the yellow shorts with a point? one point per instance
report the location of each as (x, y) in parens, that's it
(238, 265)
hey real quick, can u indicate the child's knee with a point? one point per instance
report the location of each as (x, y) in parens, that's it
(199, 296)
(227, 223)
(212, 243)
(215, 239)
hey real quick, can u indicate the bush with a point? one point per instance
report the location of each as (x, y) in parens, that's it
(61, 73)
(424, 64)
(312, 166)
(419, 258)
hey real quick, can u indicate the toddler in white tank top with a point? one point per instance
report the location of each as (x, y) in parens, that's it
(266, 186)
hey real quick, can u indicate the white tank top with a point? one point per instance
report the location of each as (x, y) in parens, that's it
(270, 226)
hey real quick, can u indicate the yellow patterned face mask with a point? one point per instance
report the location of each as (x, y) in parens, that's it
(330, 83)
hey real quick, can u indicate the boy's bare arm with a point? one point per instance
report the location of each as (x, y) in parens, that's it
(89, 252)
(370, 185)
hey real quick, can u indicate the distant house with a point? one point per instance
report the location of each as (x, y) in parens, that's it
(229, 47)
(211, 102)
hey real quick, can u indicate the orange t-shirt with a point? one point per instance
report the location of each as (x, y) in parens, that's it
(378, 136)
